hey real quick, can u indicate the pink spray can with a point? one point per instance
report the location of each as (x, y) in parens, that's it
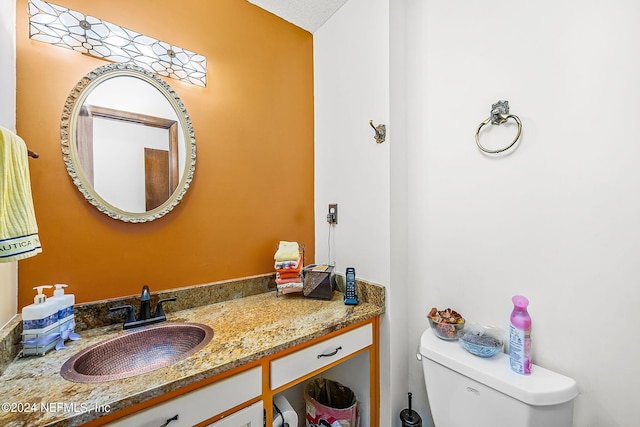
(520, 336)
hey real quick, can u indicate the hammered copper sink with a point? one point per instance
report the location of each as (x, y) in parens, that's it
(136, 352)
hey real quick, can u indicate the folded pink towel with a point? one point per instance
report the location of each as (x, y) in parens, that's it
(281, 281)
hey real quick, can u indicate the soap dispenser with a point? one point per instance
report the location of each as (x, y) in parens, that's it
(41, 316)
(65, 304)
(40, 327)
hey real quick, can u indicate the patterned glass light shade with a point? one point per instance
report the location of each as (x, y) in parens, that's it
(70, 29)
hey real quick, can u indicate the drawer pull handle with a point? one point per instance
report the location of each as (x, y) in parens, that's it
(175, 417)
(333, 353)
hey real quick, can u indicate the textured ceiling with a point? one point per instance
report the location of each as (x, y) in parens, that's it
(306, 14)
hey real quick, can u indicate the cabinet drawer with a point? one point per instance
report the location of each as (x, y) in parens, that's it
(251, 416)
(302, 362)
(201, 404)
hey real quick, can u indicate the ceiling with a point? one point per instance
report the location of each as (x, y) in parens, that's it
(306, 14)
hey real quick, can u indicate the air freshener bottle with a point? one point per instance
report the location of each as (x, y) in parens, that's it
(520, 336)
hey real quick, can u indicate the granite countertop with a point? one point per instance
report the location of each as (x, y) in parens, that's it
(245, 330)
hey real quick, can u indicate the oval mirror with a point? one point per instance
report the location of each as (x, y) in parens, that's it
(128, 143)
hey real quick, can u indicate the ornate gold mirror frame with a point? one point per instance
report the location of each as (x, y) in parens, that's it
(76, 139)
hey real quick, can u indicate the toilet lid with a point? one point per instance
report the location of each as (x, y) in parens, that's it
(541, 388)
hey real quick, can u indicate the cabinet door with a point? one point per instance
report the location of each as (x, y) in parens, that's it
(251, 416)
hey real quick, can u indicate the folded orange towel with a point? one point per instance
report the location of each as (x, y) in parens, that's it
(296, 270)
(287, 275)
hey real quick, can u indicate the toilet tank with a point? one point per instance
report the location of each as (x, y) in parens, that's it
(466, 390)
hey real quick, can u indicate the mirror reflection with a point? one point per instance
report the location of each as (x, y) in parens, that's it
(130, 147)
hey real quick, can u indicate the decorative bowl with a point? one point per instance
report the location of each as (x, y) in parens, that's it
(479, 344)
(446, 330)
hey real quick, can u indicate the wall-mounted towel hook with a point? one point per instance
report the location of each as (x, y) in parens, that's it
(33, 154)
(381, 132)
(499, 115)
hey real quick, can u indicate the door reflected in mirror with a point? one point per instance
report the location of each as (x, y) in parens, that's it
(130, 146)
(130, 159)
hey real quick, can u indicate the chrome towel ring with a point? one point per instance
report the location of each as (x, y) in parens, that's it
(499, 115)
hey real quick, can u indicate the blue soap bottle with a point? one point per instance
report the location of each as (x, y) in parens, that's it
(40, 327)
(65, 304)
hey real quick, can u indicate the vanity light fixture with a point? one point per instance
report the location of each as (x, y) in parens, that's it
(86, 34)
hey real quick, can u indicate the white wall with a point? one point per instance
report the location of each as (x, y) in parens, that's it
(8, 271)
(558, 219)
(352, 73)
(351, 77)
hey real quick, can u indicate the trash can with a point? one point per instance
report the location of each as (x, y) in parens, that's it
(330, 404)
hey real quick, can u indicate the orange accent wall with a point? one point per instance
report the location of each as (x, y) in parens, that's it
(253, 183)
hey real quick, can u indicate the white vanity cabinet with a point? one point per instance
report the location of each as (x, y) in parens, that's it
(349, 356)
(199, 405)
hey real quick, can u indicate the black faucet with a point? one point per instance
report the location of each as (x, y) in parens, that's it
(145, 317)
(145, 304)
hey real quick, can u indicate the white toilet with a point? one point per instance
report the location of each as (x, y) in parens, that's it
(469, 391)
